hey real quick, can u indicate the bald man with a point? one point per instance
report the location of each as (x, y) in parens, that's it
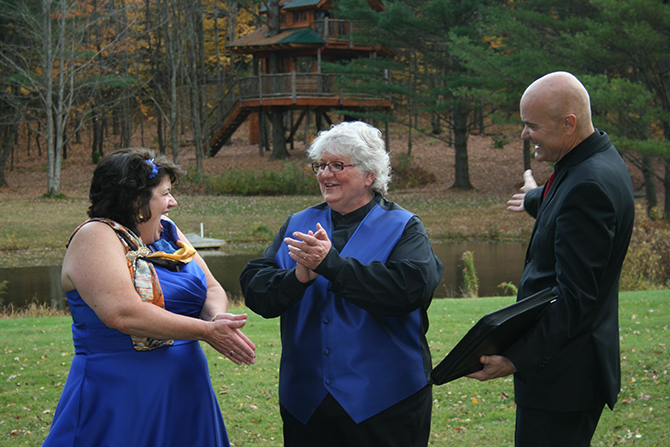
(567, 367)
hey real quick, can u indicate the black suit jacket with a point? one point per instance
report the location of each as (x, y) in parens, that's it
(570, 360)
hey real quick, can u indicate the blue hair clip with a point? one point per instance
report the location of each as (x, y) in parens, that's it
(154, 168)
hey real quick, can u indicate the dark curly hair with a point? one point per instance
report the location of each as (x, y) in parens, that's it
(122, 185)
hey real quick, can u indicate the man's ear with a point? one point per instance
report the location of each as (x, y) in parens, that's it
(570, 122)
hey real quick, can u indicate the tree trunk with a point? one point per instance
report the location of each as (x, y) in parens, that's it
(53, 154)
(410, 102)
(649, 184)
(126, 121)
(172, 29)
(666, 179)
(193, 75)
(219, 71)
(526, 155)
(666, 187)
(279, 151)
(127, 99)
(7, 140)
(159, 132)
(462, 173)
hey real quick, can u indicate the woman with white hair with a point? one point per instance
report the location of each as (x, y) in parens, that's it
(352, 279)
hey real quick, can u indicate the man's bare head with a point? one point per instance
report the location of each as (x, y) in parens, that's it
(556, 111)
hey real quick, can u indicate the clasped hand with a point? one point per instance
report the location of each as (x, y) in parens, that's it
(227, 338)
(308, 250)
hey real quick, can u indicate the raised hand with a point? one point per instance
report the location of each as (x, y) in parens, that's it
(308, 250)
(516, 202)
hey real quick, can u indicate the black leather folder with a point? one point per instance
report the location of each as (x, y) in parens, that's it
(493, 334)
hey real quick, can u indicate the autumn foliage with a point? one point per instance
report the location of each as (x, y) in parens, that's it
(647, 264)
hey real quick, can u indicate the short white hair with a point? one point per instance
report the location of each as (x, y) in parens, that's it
(362, 144)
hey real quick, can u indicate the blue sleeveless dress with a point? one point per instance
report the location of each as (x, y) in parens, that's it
(116, 396)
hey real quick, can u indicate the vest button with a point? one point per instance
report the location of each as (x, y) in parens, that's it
(326, 351)
(328, 381)
(326, 321)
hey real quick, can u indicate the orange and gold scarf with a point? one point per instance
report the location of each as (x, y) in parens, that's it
(143, 273)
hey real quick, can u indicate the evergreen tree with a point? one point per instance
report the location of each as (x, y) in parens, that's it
(624, 41)
(444, 90)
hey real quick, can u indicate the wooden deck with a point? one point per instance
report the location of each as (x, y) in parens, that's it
(296, 91)
(303, 90)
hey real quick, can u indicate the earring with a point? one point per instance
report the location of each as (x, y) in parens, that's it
(140, 217)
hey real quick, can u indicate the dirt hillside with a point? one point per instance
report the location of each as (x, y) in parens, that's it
(493, 171)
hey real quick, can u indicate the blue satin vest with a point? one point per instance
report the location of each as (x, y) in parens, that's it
(367, 362)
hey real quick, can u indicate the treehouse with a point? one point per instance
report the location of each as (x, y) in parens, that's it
(309, 33)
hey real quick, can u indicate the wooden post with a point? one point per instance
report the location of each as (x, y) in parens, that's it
(290, 114)
(254, 135)
(261, 131)
(388, 138)
(260, 89)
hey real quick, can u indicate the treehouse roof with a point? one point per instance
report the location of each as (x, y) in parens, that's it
(295, 4)
(290, 4)
(260, 40)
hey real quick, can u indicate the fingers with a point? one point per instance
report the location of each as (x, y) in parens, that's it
(240, 353)
(309, 249)
(494, 366)
(516, 202)
(310, 238)
(321, 233)
(242, 350)
(235, 324)
(246, 340)
(232, 317)
(227, 338)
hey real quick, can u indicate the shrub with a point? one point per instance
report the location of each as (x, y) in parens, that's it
(647, 262)
(508, 287)
(470, 279)
(10, 244)
(291, 180)
(499, 142)
(260, 232)
(407, 176)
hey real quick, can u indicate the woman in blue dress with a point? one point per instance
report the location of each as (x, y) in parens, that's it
(141, 298)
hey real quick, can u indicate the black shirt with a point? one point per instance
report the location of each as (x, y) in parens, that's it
(404, 283)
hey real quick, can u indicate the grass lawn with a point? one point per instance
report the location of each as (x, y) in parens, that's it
(36, 355)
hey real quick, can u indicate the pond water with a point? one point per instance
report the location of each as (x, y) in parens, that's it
(495, 263)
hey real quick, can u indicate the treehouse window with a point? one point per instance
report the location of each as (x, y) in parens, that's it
(300, 16)
(303, 64)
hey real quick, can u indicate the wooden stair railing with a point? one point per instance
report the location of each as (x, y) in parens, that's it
(233, 115)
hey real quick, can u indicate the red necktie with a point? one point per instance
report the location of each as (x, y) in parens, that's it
(548, 185)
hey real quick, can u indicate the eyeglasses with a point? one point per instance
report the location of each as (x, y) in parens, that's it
(334, 166)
